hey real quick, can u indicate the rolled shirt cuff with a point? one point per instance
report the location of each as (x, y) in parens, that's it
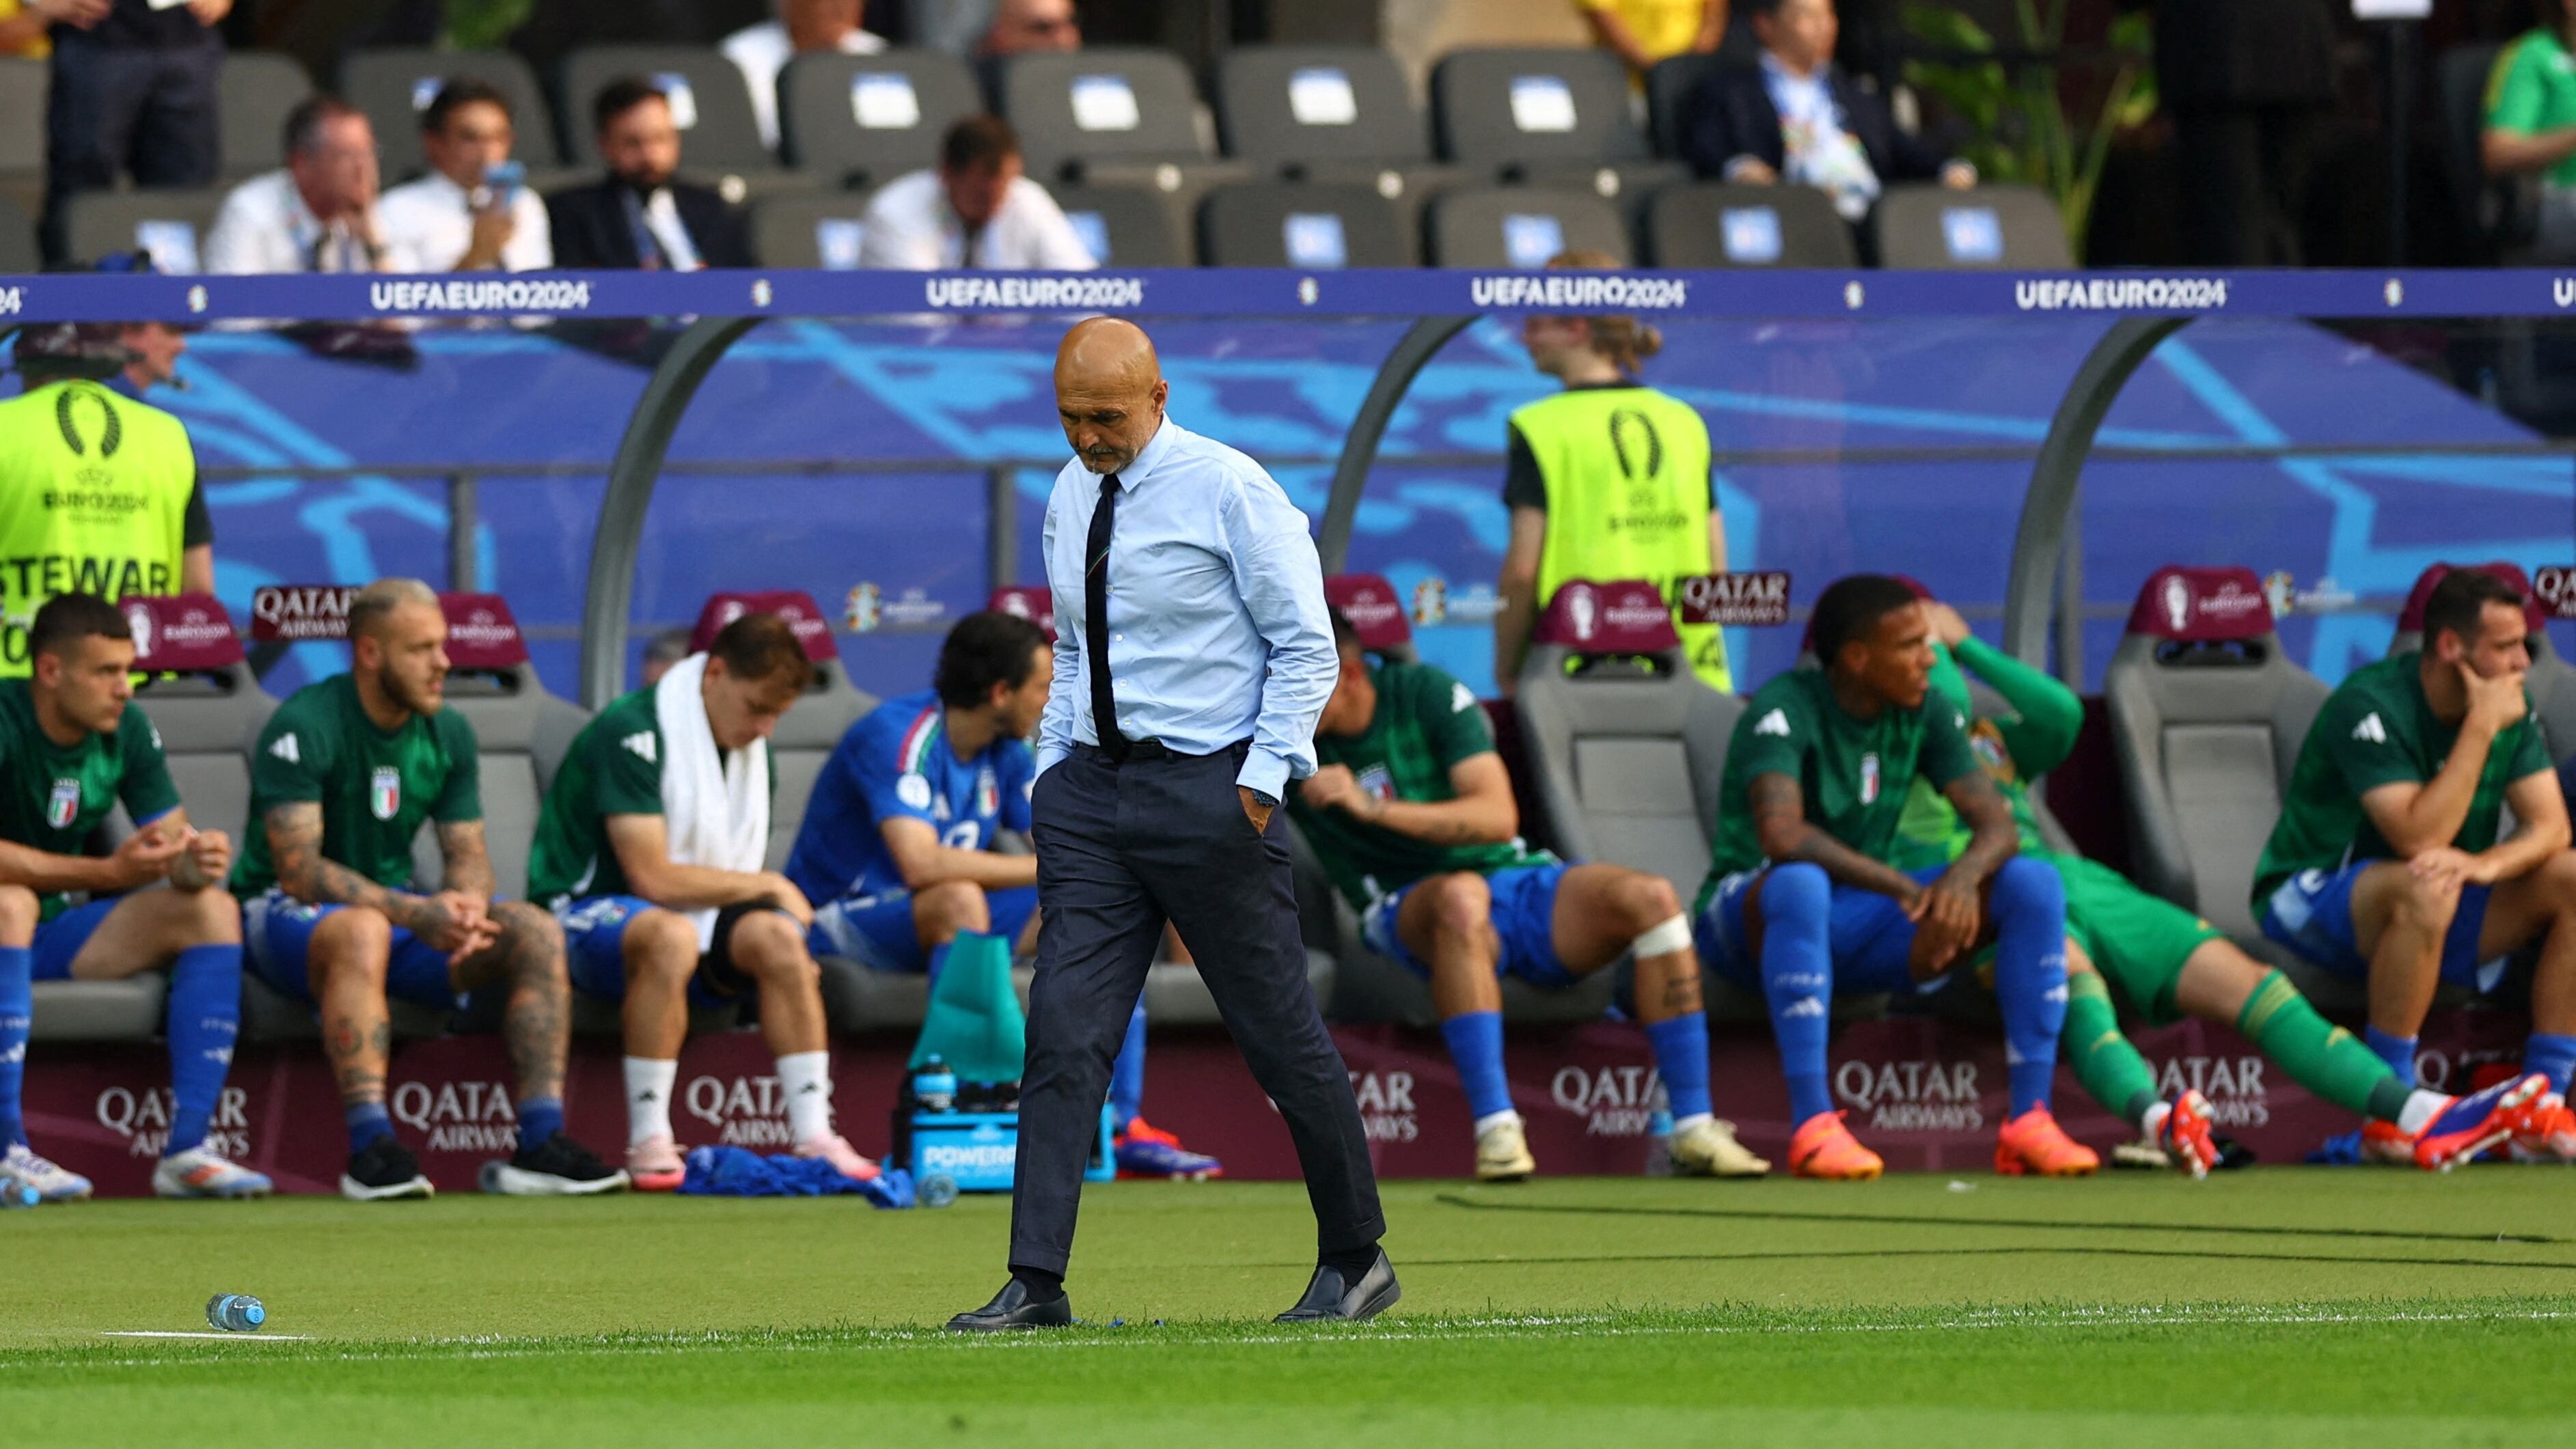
(1265, 772)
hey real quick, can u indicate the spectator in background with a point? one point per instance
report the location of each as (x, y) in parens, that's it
(133, 92)
(2531, 125)
(2245, 82)
(976, 210)
(318, 214)
(661, 652)
(1642, 32)
(824, 27)
(986, 29)
(1797, 117)
(637, 216)
(472, 210)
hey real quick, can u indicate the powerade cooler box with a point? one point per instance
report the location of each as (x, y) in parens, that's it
(976, 1151)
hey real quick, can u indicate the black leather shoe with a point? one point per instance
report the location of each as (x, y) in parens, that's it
(1329, 1298)
(1011, 1309)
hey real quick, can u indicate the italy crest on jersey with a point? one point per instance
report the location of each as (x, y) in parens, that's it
(988, 792)
(384, 792)
(63, 806)
(1868, 778)
(1375, 780)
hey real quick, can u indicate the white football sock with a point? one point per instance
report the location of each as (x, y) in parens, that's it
(2420, 1110)
(806, 1080)
(2152, 1120)
(1497, 1118)
(648, 1098)
(1684, 1124)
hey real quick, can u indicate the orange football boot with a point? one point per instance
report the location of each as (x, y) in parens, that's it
(1823, 1147)
(2034, 1143)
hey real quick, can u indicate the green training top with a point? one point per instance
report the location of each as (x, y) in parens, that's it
(2378, 729)
(52, 796)
(1853, 773)
(2533, 89)
(613, 768)
(2034, 737)
(375, 786)
(1426, 722)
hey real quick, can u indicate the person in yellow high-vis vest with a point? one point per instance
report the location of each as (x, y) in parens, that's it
(1609, 479)
(98, 492)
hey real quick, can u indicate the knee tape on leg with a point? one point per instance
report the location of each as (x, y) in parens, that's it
(1672, 935)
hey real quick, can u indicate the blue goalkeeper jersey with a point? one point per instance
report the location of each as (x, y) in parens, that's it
(897, 763)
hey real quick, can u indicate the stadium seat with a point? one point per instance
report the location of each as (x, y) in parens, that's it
(255, 93)
(1377, 611)
(1288, 106)
(2208, 715)
(17, 239)
(1301, 224)
(168, 224)
(1106, 104)
(1508, 108)
(1519, 226)
(2552, 680)
(1125, 226)
(1668, 90)
(394, 84)
(710, 102)
(23, 87)
(821, 230)
(1033, 602)
(1712, 224)
(854, 119)
(2495, 215)
(1937, 228)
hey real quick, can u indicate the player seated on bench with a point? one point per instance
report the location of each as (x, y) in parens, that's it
(72, 744)
(2386, 865)
(1801, 900)
(344, 774)
(899, 837)
(648, 850)
(1412, 815)
(2166, 961)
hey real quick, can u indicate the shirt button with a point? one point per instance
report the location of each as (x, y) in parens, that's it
(1118, 638)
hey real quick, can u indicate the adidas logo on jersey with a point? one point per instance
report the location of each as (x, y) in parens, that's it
(2371, 729)
(1461, 699)
(1774, 723)
(641, 742)
(286, 749)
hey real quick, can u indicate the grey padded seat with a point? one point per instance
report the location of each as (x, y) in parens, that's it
(1715, 225)
(394, 84)
(1138, 225)
(2208, 715)
(1936, 228)
(1505, 108)
(255, 92)
(23, 88)
(822, 230)
(1520, 226)
(1109, 103)
(98, 223)
(17, 240)
(718, 134)
(2552, 680)
(1296, 109)
(870, 118)
(1301, 224)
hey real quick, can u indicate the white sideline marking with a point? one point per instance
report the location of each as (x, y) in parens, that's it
(227, 1337)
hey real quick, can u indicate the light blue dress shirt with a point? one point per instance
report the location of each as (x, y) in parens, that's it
(1217, 625)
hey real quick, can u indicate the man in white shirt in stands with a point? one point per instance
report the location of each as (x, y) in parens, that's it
(318, 214)
(762, 51)
(976, 209)
(472, 211)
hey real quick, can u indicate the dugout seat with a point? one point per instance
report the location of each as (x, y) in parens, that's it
(494, 688)
(870, 118)
(2552, 680)
(254, 94)
(1307, 225)
(394, 84)
(171, 225)
(1123, 225)
(24, 86)
(2208, 715)
(1520, 226)
(1715, 225)
(1377, 611)
(1339, 114)
(823, 230)
(207, 709)
(710, 103)
(18, 255)
(1941, 229)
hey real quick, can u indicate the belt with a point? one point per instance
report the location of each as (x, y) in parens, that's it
(1142, 750)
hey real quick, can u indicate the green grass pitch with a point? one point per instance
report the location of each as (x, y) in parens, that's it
(2280, 1306)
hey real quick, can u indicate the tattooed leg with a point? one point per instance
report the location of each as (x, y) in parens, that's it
(347, 961)
(536, 1023)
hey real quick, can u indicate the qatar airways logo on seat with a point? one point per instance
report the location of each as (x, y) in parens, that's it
(1915, 1096)
(745, 1111)
(458, 1116)
(1613, 1101)
(142, 1118)
(2233, 1085)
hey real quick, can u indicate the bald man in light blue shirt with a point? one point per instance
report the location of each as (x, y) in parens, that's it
(1193, 656)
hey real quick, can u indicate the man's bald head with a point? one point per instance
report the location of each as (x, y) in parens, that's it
(1109, 392)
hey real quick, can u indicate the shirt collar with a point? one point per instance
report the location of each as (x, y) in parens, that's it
(1773, 68)
(1151, 456)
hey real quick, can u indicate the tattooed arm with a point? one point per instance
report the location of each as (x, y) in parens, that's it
(1984, 810)
(1479, 810)
(469, 865)
(1785, 833)
(295, 845)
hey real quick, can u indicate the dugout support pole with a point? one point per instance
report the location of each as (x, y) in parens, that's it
(610, 594)
(2048, 506)
(1412, 353)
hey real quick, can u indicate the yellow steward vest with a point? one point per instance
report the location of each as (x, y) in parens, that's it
(93, 499)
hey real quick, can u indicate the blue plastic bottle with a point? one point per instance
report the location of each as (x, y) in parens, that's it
(236, 1312)
(19, 1195)
(934, 1086)
(1659, 1143)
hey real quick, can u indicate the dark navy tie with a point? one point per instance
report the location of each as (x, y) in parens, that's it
(1095, 619)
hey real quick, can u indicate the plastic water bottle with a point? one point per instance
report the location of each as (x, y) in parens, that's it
(937, 1190)
(1659, 1143)
(236, 1312)
(19, 1195)
(934, 1086)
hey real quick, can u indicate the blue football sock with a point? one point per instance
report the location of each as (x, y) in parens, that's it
(17, 1010)
(1798, 981)
(1681, 1058)
(367, 1122)
(539, 1119)
(2030, 976)
(2397, 1051)
(1476, 1044)
(1127, 1074)
(203, 1019)
(2553, 1055)
(938, 960)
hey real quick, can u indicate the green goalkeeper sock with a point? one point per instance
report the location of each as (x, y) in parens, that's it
(2104, 1062)
(2320, 1056)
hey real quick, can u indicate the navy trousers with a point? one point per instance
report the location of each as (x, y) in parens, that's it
(1122, 849)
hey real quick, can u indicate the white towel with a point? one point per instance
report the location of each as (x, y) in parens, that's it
(715, 805)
